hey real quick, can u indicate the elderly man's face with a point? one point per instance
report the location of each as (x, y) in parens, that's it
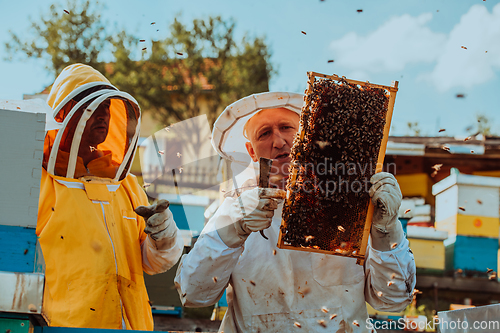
(271, 134)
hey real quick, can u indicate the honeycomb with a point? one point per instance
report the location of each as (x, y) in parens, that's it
(333, 159)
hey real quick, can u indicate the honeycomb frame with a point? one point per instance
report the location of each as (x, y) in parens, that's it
(359, 254)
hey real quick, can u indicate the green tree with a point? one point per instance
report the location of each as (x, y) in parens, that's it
(414, 129)
(66, 35)
(196, 70)
(483, 125)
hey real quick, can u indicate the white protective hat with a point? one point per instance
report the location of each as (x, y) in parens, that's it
(227, 135)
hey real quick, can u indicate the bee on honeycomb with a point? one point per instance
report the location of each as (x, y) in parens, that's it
(333, 158)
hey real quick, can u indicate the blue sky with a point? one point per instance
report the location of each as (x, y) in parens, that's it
(418, 43)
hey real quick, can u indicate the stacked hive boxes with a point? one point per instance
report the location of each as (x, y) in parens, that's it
(467, 207)
(22, 132)
(425, 241)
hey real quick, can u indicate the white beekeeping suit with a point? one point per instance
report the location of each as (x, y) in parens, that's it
(275, 290)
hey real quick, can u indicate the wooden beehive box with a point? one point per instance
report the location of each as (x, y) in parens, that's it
(344, 127)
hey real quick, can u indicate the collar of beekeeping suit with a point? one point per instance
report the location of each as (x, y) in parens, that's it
(75, 95)
(227, 135)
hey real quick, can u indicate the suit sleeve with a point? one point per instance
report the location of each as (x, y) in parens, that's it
(390, 277)
(204, 273)
(153, 261)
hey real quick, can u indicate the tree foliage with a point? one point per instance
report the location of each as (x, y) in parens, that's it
(483, 124)
(414, 128)
(74, 34)
(198, 69)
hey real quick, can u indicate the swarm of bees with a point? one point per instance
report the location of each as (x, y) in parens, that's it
(333, 160)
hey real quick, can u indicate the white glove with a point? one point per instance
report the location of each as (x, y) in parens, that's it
(386, 231)
(252, 211)
(160, 224)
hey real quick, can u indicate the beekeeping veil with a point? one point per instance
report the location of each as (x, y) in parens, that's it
(227, 135)
(75, 95)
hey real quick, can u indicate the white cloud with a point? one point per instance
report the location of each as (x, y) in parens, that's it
(399, 41)
(478, 31)
(406, 40)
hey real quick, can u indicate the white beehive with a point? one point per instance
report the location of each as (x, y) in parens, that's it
(22, 132)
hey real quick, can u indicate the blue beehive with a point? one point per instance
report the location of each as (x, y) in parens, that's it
(471, 253)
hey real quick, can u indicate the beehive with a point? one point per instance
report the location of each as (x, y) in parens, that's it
(467, 207)
(341, 143)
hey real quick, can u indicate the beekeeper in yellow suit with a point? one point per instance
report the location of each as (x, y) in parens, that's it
(275, 290)
(95, 245)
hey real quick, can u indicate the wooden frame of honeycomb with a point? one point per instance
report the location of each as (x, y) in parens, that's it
(345, 122)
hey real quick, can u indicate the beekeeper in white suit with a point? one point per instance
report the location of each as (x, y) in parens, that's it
(274, 290)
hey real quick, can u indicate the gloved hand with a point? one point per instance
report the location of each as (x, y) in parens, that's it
(160, 224)
(252, 211)
(386, 231)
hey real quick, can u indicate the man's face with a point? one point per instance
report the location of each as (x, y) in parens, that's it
(96, 128)
(271, 134)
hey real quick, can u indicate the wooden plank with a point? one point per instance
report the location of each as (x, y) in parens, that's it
(393, 88)
(480, 285)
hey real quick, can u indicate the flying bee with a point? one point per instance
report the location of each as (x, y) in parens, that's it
(437, 167)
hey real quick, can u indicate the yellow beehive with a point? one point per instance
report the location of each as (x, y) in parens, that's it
(416, 185)
(468, 205)
(427, 247)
